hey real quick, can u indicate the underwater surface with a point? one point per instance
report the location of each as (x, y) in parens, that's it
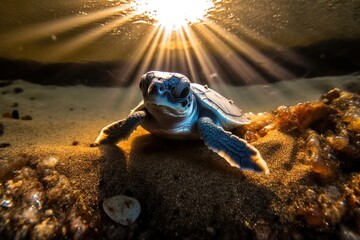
(67, 69)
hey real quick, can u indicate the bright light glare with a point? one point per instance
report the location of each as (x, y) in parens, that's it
(173, 14)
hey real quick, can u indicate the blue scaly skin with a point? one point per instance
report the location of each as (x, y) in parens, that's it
(175, 108)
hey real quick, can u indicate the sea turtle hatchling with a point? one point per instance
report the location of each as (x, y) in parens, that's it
(175, 108)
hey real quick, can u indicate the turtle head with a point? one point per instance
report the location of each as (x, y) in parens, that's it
(167, 94)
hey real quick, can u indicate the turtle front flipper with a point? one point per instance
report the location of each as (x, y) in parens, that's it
(120, 130)
(236, 151)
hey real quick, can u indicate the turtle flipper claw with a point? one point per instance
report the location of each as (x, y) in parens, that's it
(236, 151)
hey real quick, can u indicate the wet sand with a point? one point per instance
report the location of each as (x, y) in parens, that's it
(185, 190)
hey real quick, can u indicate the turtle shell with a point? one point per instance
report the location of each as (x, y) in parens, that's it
(229, 115)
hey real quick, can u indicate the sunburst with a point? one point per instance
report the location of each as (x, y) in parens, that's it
(173, 14)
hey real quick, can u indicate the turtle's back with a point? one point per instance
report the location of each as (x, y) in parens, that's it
(229, 115)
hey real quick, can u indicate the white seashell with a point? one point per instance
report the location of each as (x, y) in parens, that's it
(122, 209)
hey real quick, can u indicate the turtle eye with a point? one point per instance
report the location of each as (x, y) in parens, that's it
(181, 91)
(184, 93)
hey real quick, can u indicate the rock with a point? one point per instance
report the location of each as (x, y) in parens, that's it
(18, 90)
(7, 115)
(26, 117)
(15, 114)
(49, 212)
(122, 209)
(5, 145)
(1, 129)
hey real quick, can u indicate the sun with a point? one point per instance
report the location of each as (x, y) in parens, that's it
(173, 14)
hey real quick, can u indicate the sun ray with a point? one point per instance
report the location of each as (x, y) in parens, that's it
(140, 63)
(129, 74)
(207, 66)
(245, 71)
(126, 73)
(180, 53)
(160, 56)
(61, 50)
(168, 52)
(149, 56)
(58, 26)
(251, 53)
(261, 60)
(213, 75)
(141, 59)
(270, 44)
(188, 58)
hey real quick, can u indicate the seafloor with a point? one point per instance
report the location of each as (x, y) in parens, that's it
(53, 183)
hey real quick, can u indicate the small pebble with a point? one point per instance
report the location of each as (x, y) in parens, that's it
(18, 90)
(26, 117)
(4, 145)
(7, 115)
(331, 95)
(15, 114)
(310, 195)
(1, 129)
(122, 209)
(49, 212)
(75, 143)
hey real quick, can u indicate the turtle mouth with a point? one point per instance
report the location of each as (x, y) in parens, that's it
(162, 109)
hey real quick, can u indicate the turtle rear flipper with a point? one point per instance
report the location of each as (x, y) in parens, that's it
(120, 130)
(236, 151)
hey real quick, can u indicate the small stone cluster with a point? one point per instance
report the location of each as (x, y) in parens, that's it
(38, 202)
(331, 206)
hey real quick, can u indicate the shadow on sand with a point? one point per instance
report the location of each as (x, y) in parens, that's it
(185, 189)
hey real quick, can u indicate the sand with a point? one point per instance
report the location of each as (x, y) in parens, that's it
(185, 190)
